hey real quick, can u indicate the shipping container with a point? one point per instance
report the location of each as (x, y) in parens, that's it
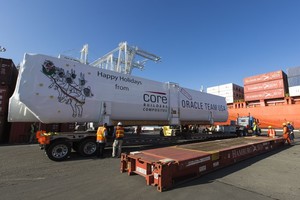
(4, 98)
(294, 81)
(294, 91)
(213, 90)
(19, 132)
(293, 71)
(166, 167)
(267, 94)
(4, 129)
(54, 127)
(275, 84)
(230, 87)
(67, 127)
(8, 73)
(265, 77)
(232, 92)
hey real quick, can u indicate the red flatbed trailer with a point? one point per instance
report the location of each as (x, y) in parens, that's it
(164, 167)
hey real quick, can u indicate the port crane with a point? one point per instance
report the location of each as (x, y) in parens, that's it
(122, 59)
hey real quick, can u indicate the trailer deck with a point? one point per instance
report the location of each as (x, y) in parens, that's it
(165, 167)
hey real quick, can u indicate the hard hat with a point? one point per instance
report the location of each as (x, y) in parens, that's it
(254, 122)
(283, 124)
(270, 126)
(288, 122)
(119, 124)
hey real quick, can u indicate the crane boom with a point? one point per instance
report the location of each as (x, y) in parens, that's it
(123, 59)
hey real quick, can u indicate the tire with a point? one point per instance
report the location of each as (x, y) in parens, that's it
(58, 150)
(87, 147)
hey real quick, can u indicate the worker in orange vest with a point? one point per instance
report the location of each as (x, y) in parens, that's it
(286, 133)
(101, 140)
(271, 132)
(117, 145)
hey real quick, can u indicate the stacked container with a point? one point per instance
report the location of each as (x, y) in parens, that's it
(293, 75)
(8, 77)
(20, 131)
(230, 91)
(271, 85)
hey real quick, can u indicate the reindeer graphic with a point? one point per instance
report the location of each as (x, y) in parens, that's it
(69, 91)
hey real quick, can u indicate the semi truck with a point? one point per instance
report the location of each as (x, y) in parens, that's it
(59, 90)
(241, 127)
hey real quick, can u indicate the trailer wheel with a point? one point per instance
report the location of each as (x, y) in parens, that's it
(88, 147)
(58, 151)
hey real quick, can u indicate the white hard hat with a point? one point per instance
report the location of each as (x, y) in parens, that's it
(119, 124)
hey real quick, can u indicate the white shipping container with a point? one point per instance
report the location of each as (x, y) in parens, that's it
(211, 90)
(294, 91)
(229, 99)
(228, 86)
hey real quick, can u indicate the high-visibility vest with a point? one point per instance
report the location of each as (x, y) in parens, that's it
(271, 133)
(254, 127)
(100, 134)
(285, 130)
(119, 132)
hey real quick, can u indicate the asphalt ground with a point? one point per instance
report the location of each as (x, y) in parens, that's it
(26, 173)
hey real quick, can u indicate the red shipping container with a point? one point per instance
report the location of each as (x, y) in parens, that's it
(67, 127)
(19, 132)
(52, 128)
(267, 94)
(8, 72)
(3, 128)
(4, 98)
(264, 77)
(276, 84)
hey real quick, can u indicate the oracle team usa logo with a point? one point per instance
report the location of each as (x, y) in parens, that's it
(71, 90)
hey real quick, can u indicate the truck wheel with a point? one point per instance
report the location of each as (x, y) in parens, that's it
(59, 151)
(88, 147)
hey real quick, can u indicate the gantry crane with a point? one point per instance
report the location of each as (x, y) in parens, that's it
(122, 59)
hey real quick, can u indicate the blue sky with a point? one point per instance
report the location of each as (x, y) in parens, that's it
(201, 42)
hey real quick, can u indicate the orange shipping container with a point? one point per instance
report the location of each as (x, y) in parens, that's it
(267, 94)
(264, 77)
(276, 84)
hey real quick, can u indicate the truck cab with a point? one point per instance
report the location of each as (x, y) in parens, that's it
(247, 122)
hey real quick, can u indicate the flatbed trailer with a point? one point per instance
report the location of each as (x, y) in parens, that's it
(165, 167)
(58, 146)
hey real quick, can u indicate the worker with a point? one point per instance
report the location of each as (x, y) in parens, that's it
(291, 129)
(101, 140)
(271, 132)
(255, 128)
(286, 134)
(118, 141)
